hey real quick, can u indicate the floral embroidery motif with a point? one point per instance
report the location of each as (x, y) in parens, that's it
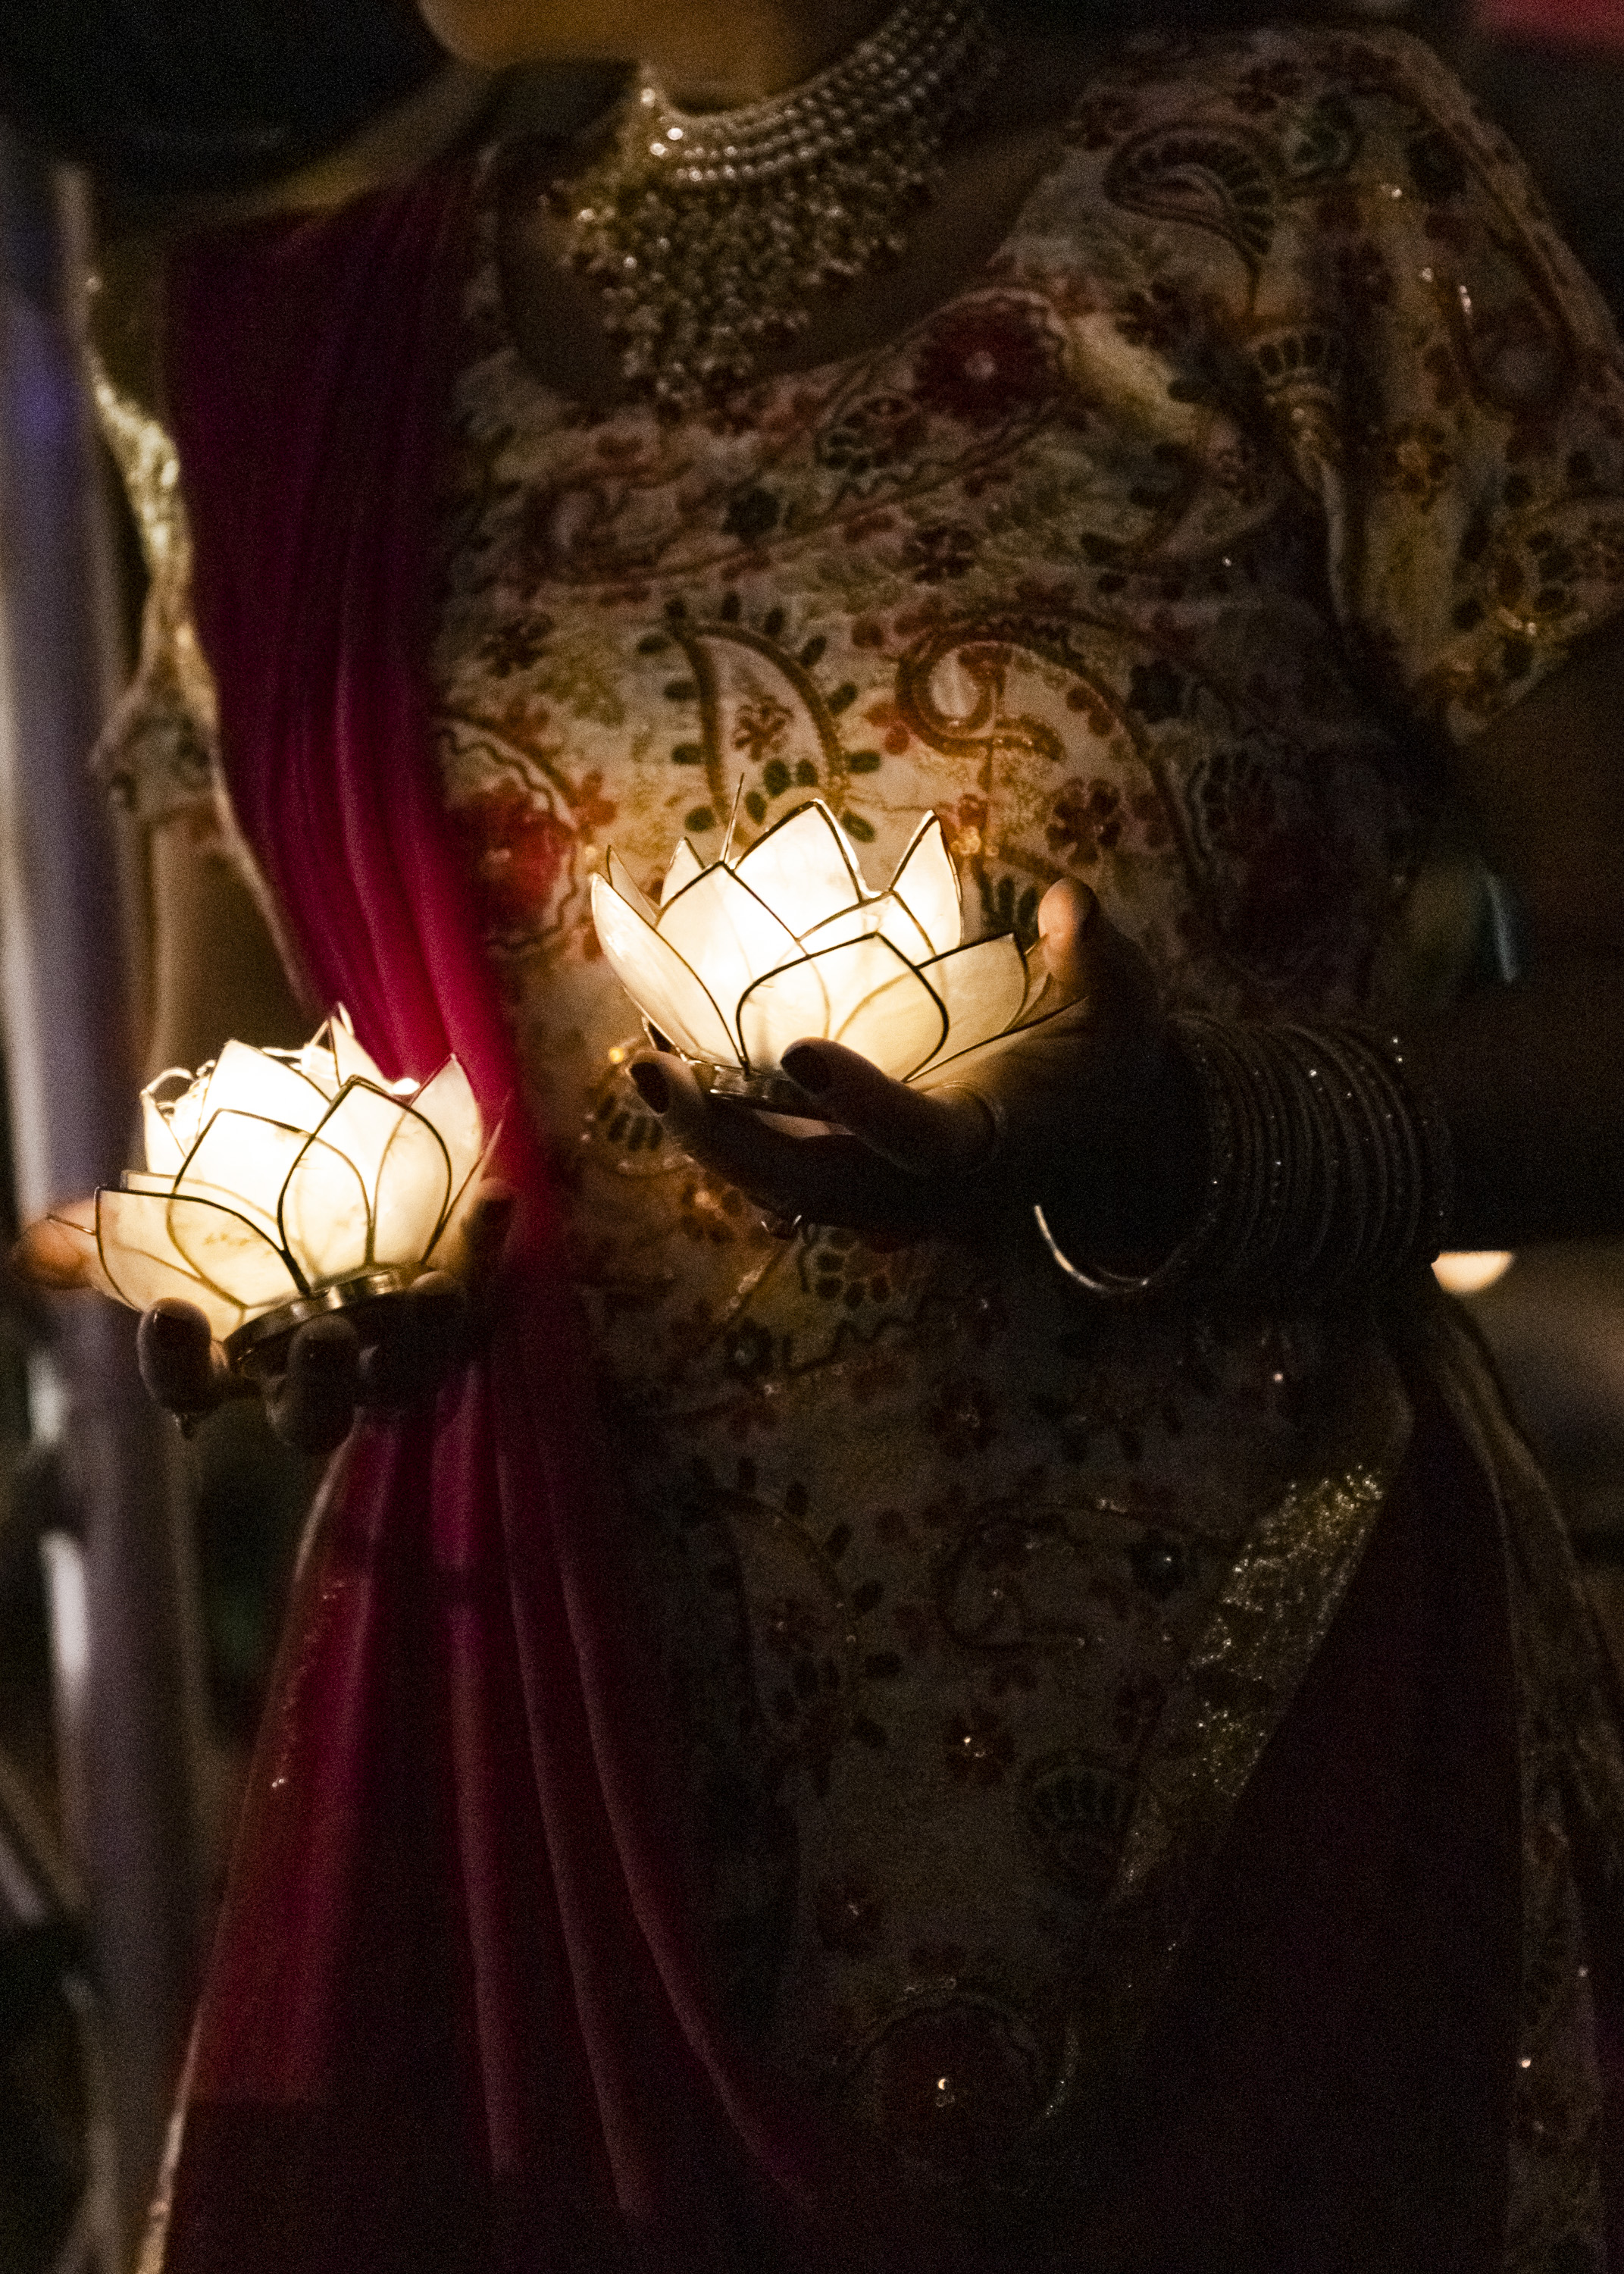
(982, 359)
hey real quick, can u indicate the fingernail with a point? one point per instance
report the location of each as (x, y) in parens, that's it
(806, 1068)
(652, 1086)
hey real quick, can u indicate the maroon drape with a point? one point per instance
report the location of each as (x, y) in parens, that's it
(452, 2017)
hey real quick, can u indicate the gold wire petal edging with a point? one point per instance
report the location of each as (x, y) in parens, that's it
(785, 943)
(280, 1184)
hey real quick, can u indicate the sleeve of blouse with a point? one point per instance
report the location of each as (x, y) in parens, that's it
(158, 753)
(1468, 449)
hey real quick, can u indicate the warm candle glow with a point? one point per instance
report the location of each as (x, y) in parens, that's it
(274, 1175)
(787, 943)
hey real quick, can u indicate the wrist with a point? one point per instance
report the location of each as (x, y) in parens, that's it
(1328, 1165)
(1140, 1193)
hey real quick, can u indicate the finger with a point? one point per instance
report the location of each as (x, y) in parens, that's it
(179, 1362)
(1103, 976)
(313, 1404)
(924, 1132)
(1068, 916)
(423, 1337)
(832, 1178)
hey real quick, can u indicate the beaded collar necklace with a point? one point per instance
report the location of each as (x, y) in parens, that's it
(707, 231)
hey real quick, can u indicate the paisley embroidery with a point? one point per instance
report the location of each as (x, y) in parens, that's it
(751, 713)
(1207, 180)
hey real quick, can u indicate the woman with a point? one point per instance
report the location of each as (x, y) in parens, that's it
(1033, 1742)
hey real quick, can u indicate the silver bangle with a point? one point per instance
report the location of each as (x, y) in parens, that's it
(1330, 1167)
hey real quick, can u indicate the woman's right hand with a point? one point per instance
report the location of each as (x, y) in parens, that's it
(406, 1346)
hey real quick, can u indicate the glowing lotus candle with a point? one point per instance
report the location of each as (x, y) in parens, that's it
(280, 1184)
(787, 943)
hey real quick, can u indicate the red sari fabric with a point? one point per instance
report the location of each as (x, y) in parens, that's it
(451, 2009)
(453, 2021)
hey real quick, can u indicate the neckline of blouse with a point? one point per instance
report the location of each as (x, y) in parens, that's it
(823, 377)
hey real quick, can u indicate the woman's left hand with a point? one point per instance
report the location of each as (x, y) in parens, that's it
(1093, 1112)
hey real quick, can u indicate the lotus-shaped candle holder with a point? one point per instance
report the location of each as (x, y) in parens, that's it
(281, 1184)
(787, 943)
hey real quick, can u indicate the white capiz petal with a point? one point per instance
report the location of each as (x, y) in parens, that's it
(359, 1124)
(685, 866)
(141, 1263)
(927, 883)
(414, 1191)
(982, 988)
(447, 1101)
(240, 1163)
(789, 1005)
(325, 1220)
(77, 1221)
(354, 1064)
(660, 983)
(853, 971)
(1043, 997)
(449, 1252)
(722, 931)
(885, 915)
(877, 1004)
(621, 878)
(804, 868)
(317, 1063)
(245, 1081)
(899, 1027)
(184, 1111)
(228, 1253)
(164, 1153)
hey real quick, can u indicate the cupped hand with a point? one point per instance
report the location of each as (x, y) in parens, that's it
(1090, 1111)
(404, 1349)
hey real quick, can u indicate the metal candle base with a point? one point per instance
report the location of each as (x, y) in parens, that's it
(254, 1346)
(774, 1093)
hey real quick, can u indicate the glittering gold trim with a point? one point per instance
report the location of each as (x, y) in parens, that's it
(1286, 1586)
(145, 456)
(1267, 1625)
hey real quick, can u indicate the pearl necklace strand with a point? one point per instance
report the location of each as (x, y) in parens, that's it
(707, 231)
